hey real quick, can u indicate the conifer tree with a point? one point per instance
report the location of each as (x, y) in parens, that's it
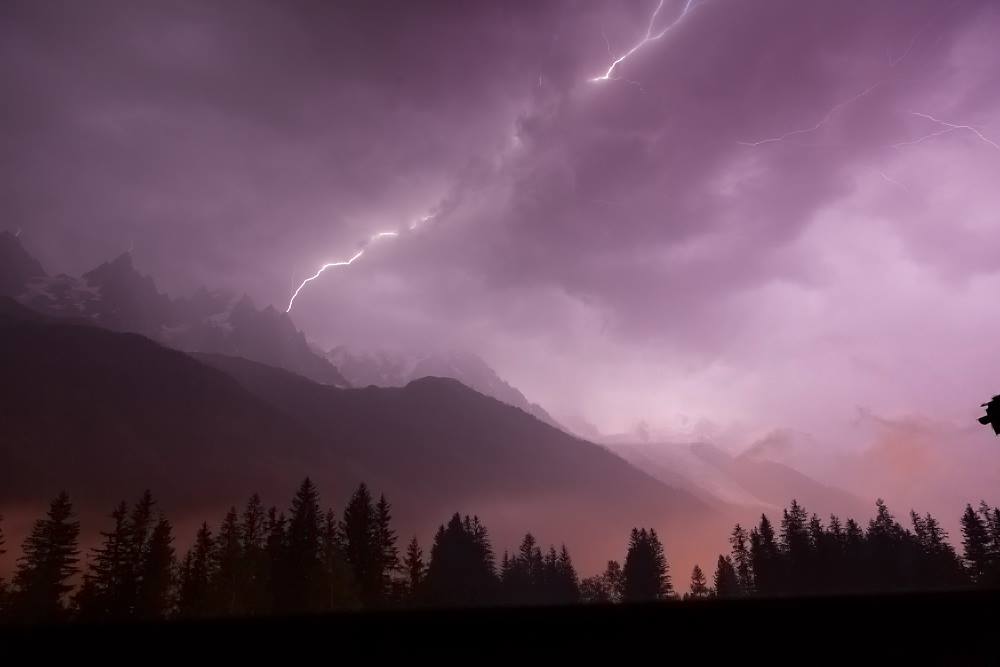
(414, 567)
(765, 558)
(975, 543)
(3, 584)
(49, 559)
(303, 582)
(461, 569)
(338, 581)
(104, 594)
(156, 573)
(741, 558)
(645, 575)
(359, 528)
(196, 576)
(275, 562)
(254, 566)
(568, 583)
(385, 550)
(699, 586)
(727, 583)
(228, 585)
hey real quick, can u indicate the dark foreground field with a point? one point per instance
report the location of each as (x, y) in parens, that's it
(945, 628)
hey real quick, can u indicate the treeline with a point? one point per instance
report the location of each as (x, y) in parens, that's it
(261, 561)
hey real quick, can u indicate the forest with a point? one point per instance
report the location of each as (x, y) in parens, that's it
(262, 561)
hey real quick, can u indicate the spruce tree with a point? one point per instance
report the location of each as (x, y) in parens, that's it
(253, 537)
(727, 583)
(338, 581)
(741, 558)
(196, 576)
(568, 583)
(156, 573)
(699, 587)
(765, 558)
(303, 585)
(49, 559)
(228, 584)
(3, 584)
(384, 548)
(414, 567)
(358, 528)
(104, 594)
(275, 562)
(461, 571)
(975, 543)
(645, 572)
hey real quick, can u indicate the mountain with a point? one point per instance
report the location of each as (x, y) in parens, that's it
(116, 296)
(391, 368)
(746, 480)
(17, 267)
(106, 414)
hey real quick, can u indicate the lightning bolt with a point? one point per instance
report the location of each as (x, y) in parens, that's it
(889, 179)
(650, 37)
(947, 129)
(347, 262)
(822, 121)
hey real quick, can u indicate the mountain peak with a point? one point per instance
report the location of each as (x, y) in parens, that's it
(17, 267)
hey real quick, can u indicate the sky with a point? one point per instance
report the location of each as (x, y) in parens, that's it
(777, 215)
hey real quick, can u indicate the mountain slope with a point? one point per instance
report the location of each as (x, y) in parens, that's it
(385, 368)
(104, 415)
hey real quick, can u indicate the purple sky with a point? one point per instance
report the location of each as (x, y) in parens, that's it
(619, 250)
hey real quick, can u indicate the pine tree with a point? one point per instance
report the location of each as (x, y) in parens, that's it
(3, 585)
(104, 594)
(254, 570)
(727, 583)
(140, 527)
(794, 548)
(156, 573)
(975, 542)
(384, 548)
(765, 558)
(358, 528)
(568, 583)
(338, 583)
(699, 587)
(741, 558)
(414, 566)
(461, 570)
(196, 576)
(645, 571)
(49, 559)
(303, 585)
(274, 570)
(228, 584)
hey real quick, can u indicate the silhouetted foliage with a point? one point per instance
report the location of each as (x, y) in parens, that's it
(645, 574)
(262, 562)
(461, 570)
(727, 583)
(49, 559)
(699, 586)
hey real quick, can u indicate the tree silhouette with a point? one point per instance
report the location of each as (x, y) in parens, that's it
(741, 558)
(254, 561)
(414, 567)
(303, 581)
(156, 573)
(3, 584)
(975, 543)
(359, 529)
(338, 582)
(105, 594)
(228, 583)
(727, 583)
(699, 586)
(49, 558)
(196, 576)
(765, 558)
(644, 573)
(461, 570)
(384, 548)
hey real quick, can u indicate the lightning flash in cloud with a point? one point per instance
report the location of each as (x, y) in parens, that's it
(947, 128)
(347, 262)
(650, 37)
(822, 121)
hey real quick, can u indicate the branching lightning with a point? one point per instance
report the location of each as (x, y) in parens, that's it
(947, 128)
(649, 37)
(822, 121)
(347, 262)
